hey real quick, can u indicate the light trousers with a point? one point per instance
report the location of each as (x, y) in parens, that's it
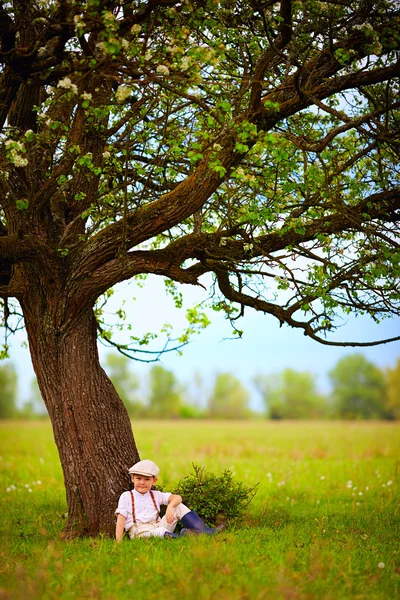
(158, 528)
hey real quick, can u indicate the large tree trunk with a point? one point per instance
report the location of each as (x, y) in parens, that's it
(91, 426)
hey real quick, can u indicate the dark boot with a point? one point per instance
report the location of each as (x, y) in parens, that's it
(193, 524)
(168, 534)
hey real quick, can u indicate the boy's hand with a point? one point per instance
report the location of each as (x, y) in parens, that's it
(170, 514)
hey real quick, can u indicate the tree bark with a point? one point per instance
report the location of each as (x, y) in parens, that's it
(91, 426)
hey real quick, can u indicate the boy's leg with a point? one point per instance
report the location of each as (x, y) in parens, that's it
(193, 524)
(180, 511)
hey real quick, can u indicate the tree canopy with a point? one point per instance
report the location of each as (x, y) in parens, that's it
(256, 142)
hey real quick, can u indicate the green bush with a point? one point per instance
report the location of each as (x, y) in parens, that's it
(215, 498)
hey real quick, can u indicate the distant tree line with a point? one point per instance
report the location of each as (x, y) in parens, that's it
(360, 390)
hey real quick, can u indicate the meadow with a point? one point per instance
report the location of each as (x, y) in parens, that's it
(323, 524)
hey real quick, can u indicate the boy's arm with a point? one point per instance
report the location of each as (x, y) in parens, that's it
(120, 527)
(173, 501)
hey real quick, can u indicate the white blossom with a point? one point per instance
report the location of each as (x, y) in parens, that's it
(363, 27)
(106, 154)
(381, 565)
(124, 43)
(19, 161)
(162, 70)
(136, 28)
(185, 63)
(123, 92)
(67, 84)
(86, 96)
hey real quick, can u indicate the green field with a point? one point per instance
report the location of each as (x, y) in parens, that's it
(324, 522)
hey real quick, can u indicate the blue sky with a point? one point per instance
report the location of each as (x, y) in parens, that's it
(265, 348)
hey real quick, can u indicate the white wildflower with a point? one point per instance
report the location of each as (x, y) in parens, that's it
(248, 247)
(162, 70)
(13, 487)
(106, 154)
(322, 477)
(123, 92)
(28, 132)
(86, 96)
(8, 489)
(360, 493)
(381, 565)
(218, 147)
(124, 43)
(29, 490)
(39, 482)
(349, 484)
(389, 482)
(136, 28)
(27, 485)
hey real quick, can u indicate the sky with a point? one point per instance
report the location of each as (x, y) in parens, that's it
(265, 348)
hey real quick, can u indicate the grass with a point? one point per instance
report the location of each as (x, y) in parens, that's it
(307, 534)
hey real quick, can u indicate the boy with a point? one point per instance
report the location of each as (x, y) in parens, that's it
(139, 510)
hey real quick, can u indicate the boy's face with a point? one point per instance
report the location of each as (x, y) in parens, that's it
(143, 483)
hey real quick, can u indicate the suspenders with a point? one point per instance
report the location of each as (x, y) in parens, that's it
(133, 506)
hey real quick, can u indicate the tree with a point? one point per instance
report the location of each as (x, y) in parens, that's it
(359, 389)
(291, 395)
(8, 391)
(165, 398)
(229, 399)
(126, 383)
(257, 143)
(393, 391)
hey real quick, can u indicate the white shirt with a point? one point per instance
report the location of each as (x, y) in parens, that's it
(145, 511)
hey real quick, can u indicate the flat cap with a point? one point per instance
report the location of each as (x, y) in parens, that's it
(145, 467)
